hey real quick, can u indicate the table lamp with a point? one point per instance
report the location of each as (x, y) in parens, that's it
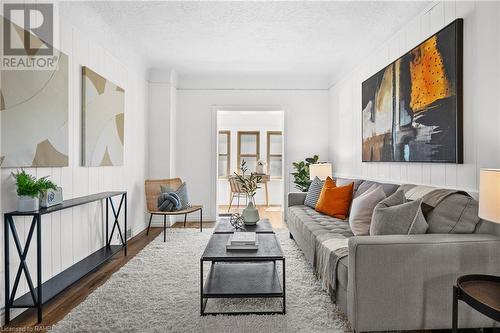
(320, 170)
(489, 195)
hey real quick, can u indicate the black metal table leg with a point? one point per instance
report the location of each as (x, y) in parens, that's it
(201, 288)
(6, 267)
(116, 224)
(284, 288)
(185, 218)
(107, 220)
(39, 265)
(125, 222)
(454, 316)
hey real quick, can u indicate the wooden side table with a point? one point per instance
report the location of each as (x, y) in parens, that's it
(481, 292)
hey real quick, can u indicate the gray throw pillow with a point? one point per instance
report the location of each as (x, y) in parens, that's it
(166, 189)
(313, 193)
(397, 216)
(362, 208)
(182, 193)
(455, 214)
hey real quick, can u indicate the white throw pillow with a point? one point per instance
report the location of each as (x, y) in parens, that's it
(362, 209)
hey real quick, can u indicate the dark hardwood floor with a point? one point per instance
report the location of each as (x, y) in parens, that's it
(61, 305)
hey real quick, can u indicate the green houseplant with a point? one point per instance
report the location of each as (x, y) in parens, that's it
(249, 184)
(29, 189)
(301, 173)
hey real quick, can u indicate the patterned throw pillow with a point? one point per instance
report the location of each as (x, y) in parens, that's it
(397, 216)
(313, 193)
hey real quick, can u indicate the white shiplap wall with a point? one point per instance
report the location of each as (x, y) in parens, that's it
(481, 100)
(72, 234)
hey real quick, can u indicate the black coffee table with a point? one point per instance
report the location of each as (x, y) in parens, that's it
(242, 273)
(224, 227)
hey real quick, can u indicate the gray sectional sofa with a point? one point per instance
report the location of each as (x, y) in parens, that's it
(400, 282)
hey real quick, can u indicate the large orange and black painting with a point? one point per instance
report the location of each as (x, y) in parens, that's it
(412, 109)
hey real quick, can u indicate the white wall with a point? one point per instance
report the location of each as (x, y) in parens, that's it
(262, 121)
(306, 128)
(72, 234)
(481, 100)
(161, 112)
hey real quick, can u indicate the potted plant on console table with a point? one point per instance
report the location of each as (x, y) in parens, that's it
(249, 184)
(29, 189)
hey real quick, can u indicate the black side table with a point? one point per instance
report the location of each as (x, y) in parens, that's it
(481, 292)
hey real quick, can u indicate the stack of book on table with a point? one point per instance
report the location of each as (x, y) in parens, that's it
(242, 241)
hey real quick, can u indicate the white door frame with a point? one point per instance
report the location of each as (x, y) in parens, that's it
(215, 140)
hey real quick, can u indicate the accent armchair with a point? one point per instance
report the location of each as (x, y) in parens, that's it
(153, 190)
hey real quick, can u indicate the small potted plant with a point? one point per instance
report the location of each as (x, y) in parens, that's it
(249, 184)
(29, 189)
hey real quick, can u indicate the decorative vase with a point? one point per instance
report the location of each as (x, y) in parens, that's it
(27, 204)
(259, 169)
(250, 214)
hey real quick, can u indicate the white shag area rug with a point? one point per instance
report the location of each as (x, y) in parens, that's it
(158, 291)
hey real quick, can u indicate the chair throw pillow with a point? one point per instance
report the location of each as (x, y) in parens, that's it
(313, 193)
(181, 193)
(168, 202)
(335, 201)
(397, 216)
(362, 208)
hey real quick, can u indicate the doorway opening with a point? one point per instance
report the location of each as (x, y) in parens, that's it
(256, 138)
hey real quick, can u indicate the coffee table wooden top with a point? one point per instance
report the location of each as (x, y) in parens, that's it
(224, 227)
(482, 292)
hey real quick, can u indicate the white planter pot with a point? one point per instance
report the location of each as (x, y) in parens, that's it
(250, 214)
(27, 204)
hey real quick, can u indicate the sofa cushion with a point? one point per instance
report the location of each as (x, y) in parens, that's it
(396, 216)
(316, 223)
(455, 214)
(389, 189)
(347, 181)
(313, 192)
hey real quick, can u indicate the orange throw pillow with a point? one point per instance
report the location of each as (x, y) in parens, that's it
(335, 201)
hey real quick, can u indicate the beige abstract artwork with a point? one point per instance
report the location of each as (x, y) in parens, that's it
(103, 120)
(34, 113)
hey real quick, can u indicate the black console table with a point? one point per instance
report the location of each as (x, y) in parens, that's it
(44, 292)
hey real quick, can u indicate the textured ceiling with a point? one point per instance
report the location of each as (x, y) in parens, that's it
(294, 37)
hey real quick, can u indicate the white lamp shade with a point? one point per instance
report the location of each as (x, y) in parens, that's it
(320, 170)
(489, 195)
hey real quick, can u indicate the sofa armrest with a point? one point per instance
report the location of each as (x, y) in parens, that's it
(404, 282)
(296, 198)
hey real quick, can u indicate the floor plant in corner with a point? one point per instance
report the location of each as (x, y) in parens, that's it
(301, 173)
(249, 184)
(29, 189)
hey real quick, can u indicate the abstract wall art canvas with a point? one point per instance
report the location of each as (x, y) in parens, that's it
(412, 109)
(103, 120)
(34, 111)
